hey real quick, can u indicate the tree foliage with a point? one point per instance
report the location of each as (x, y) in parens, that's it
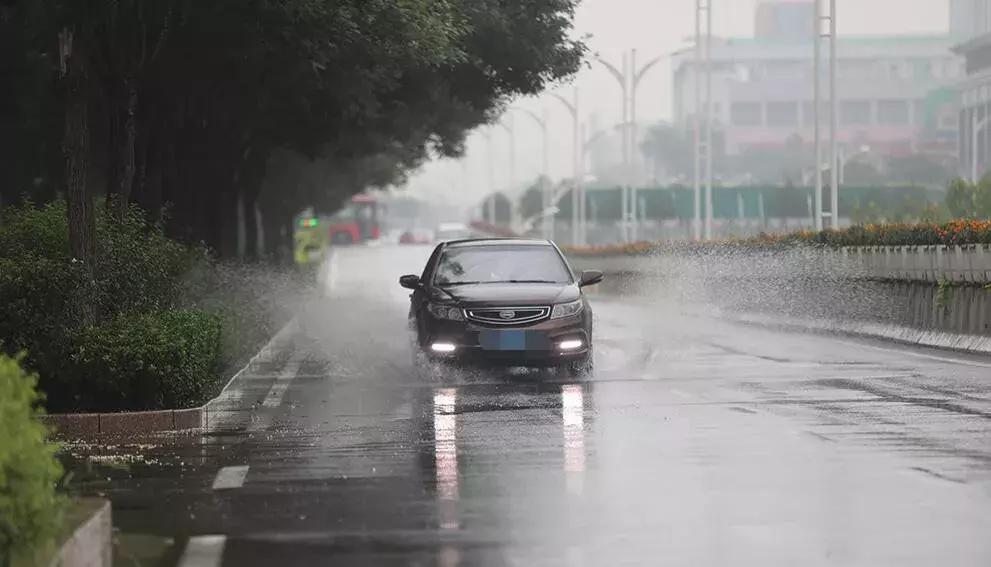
(215, 107)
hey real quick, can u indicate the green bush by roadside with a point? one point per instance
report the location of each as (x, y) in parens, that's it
(47, 297)
(161, 359)
(30, 508)
(155, 324)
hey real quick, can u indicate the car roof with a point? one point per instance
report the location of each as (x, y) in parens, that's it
(472, 242)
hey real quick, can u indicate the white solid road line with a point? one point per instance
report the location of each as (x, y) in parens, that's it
(905, 351)
(203, 551)
(230, 477)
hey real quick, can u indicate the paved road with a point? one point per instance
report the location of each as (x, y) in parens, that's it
(697, 442)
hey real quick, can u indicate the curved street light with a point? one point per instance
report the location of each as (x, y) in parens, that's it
(629, 79)
(577, 208)
(547, 224)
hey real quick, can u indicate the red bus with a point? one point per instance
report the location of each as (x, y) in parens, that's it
(357, 222)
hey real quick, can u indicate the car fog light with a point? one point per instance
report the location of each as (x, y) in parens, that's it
(443, 347)
(570, 344)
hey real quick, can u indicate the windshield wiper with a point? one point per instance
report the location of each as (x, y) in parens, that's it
(451, 284)
(531, 281)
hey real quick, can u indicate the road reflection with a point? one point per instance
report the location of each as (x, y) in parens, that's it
(446, 455)
(573, 426)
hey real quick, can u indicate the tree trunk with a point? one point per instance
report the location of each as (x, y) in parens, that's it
(249, 200)
(125, 139)
(75, 151)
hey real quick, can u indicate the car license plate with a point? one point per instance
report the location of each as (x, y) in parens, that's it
(512, 340)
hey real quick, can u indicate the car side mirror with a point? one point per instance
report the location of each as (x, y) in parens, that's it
(410, 282)
(590, 277)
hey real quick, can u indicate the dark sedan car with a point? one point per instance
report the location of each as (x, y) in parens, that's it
(509, 302)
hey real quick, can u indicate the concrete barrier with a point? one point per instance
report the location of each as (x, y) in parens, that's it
(960, 264)
(935, 290)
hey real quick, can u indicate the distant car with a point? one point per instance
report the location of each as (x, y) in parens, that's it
(416, 237)
(509, 302)
(447, 232)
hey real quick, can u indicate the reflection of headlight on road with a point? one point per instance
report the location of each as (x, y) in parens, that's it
(566, 309)
(445, 312)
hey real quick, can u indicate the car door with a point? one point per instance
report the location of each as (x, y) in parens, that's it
(419, 297)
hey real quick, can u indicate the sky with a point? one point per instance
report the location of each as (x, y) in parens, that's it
(654, 28)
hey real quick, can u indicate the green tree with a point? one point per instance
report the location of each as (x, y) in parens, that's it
(960, 198)
(182, 103)
(30, 509)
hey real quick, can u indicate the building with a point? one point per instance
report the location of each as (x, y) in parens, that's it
(972, 20)
(896, 92)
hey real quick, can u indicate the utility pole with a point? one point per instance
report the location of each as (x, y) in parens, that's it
(490, 204)
(708, 120)
(703, 148)
(817, 111)
(834, 178)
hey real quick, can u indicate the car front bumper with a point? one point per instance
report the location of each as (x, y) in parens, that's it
(473, 343)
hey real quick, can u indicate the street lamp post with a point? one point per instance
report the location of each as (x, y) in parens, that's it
(703, 114)
(976, 126)
(629, 79)
(834, 182)
(511, 130)
(490, 203)
(576, 222)
(547, 219)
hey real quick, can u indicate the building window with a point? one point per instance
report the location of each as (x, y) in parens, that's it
(746, 114)
(892, 112)
(855, 112)
(782, 114)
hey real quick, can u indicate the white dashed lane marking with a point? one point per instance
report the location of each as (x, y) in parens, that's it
(203, 551)
(230, 477)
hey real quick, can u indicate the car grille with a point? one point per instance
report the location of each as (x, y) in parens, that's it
(508, 315)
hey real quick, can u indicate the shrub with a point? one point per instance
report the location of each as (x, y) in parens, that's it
(30, 508)
(47, 298)
(162, 359)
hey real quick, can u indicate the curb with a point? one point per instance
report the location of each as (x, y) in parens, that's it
(95, 424)
(971, 344)
(91, 544)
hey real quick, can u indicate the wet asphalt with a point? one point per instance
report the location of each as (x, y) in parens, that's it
(696, 442)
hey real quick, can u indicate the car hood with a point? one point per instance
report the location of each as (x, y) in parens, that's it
(514, 294)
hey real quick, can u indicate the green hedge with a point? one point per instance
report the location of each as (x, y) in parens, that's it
(954, 233)
(163, 359)
(30, 508)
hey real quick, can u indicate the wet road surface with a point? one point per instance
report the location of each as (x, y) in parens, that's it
(696, 442)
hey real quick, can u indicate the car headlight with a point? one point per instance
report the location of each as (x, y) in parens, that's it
(445, 312)
(566, 309)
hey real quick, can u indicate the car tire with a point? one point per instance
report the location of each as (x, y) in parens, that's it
(580, 368)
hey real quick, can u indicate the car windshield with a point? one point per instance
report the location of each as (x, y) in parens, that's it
(501, 264)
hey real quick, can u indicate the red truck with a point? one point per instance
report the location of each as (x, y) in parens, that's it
(358, 222)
